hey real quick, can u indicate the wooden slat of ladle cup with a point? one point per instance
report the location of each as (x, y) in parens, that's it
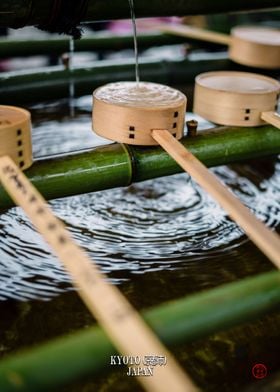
(121, 321)
(236, 98)
(15, 135)
(133, 125)
(254, 46)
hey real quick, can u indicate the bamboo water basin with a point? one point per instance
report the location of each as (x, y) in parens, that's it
(154, 237)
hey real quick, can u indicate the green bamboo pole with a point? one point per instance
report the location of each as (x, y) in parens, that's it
(85, 353)
(14, 13)
(118, 165)
(98, 42)
(53, 82)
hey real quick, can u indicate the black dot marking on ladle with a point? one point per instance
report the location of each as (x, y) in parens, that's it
(21, 164)
(176, 114)
(174, 125)
(131, 135)
(62, 239)
(19, 143)
(32, 199)
(246, 118)
(19, 132)
(247, 111)
(20, 153)
(52, 226)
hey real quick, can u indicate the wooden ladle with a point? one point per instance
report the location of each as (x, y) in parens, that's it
(237, 98)
(254, 46)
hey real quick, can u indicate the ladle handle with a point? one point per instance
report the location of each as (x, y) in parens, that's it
(195, 33)
(264, 238)
(272, 118)
(120, 320)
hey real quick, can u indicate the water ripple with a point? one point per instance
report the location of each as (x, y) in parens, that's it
(159, 224)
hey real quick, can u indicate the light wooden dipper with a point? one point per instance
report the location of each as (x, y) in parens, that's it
(237, 98)
(15, 135)
(127, 113)
(253, 46)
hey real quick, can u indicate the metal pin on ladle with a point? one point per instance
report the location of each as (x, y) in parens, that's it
(161, 121)
(123, 324)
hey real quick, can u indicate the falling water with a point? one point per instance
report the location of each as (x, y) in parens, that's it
(132, 13)
(72, 82)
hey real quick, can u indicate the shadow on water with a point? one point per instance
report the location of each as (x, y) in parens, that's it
(158, 240)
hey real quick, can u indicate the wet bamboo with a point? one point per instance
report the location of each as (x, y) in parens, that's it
(117, 165)
(87, 353)
(14, 13)
(98, 43)
(26, 86)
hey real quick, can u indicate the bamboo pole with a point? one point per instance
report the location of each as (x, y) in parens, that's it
(118, 165)
(99, 43)
(16, 13)
(26, 86)
(87, 352)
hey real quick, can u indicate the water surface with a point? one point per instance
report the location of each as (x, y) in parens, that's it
(158, 225)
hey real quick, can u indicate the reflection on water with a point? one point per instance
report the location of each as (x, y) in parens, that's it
(163, 224)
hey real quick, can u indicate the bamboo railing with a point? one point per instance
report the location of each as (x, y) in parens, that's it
(118, 165)
(98, 42)
(26, 86)
(15, 13)
(87, 353)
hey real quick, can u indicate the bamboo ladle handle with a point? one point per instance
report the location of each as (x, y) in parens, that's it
(272, 118)
(195, 33)
(265, 239)
(120, 320)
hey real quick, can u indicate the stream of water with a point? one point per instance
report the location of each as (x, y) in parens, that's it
(72, 82)
(133, 20)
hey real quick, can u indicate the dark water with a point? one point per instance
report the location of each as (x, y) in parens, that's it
(157, 240)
